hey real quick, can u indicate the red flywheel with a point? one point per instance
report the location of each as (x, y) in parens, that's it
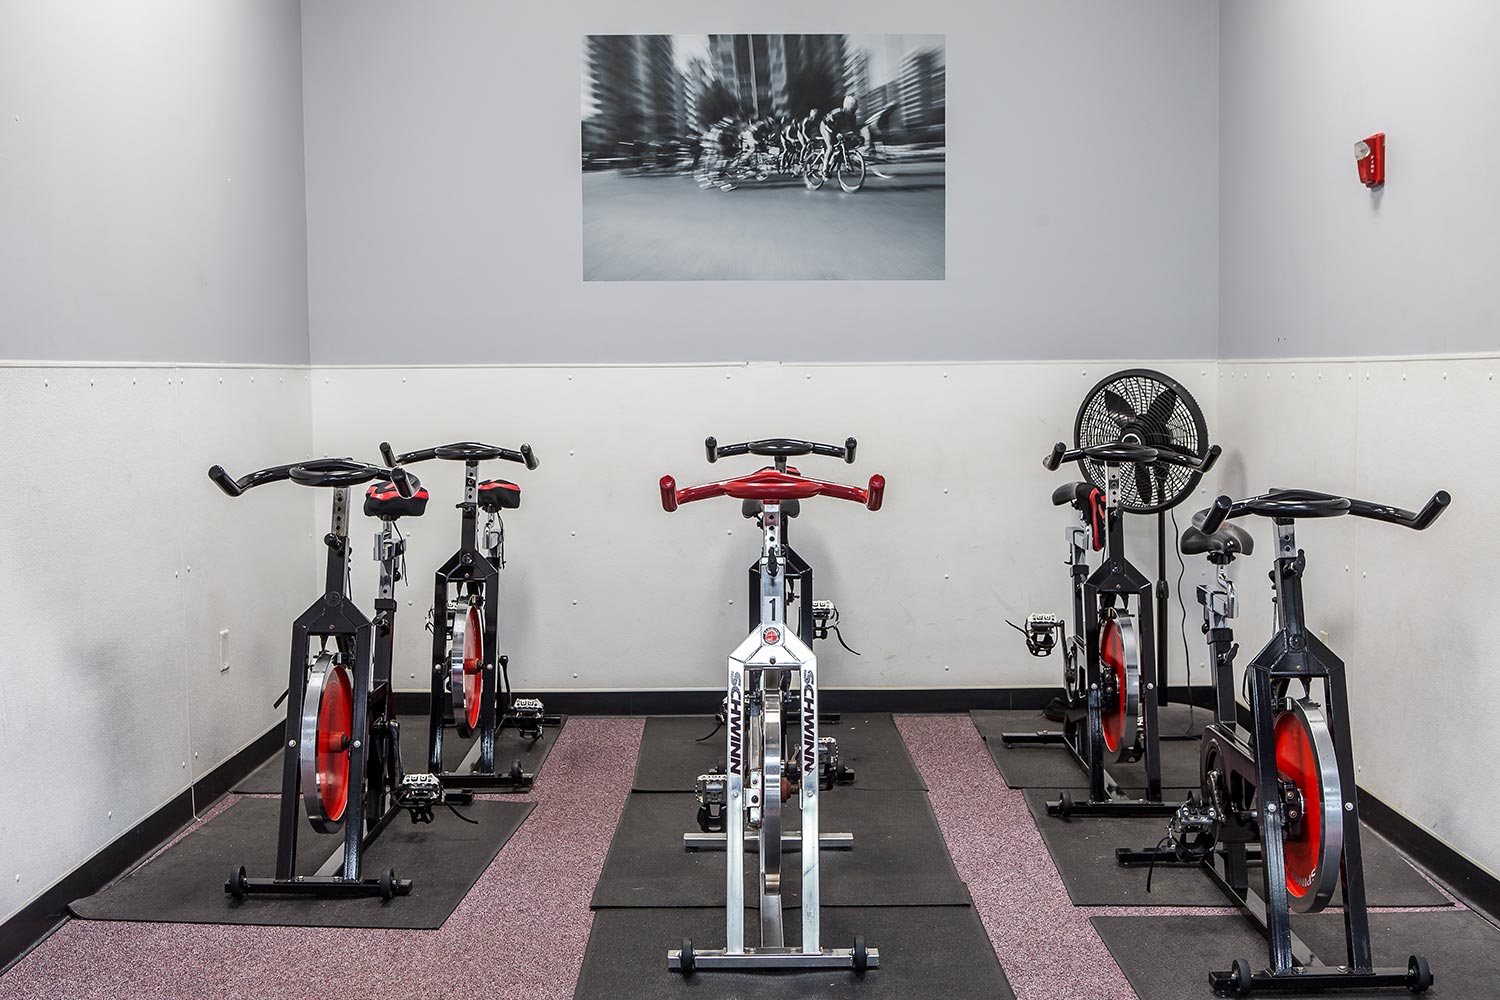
(1119, 658)
(465, 667)
(327, 733)
(1313, 823)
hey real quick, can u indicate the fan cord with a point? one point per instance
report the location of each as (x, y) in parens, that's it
(1187, 657)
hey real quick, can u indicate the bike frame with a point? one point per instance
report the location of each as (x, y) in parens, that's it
(757, 759)
(753, 730)
(334, 617)
(470, 572)
(1116, 580)
(1246, 759)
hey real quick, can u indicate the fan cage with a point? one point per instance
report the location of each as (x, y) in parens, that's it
(1145, 407)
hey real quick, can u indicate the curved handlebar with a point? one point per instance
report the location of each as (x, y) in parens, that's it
(1115, 454)
(768, 485)
(331, 472)
(461, 451)
(779, 448)
(1292, 504)
(1110, 454)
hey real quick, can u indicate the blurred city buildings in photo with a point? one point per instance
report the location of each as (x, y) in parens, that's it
(665, 88)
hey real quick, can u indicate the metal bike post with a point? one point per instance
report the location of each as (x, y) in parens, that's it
(811, 941)
(734, 816)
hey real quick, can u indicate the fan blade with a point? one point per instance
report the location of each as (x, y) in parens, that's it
(1160, 410)
(1143, 484)
(1119, 410)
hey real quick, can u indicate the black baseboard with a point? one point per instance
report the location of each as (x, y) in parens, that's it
(40, 917)
(662, 701)
(1477, 888)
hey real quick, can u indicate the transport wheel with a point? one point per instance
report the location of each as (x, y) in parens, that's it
(861, 954)
(1064, 804)
(1418, 975)
(465, 670)
(388, 885)
(327, 732)
(516, 774)
(1313, 828)
(1241, 978)
(852, 171)
(236, 886)
(1119, 655)
(686, 960)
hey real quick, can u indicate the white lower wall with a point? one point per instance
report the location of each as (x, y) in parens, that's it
(607, 591)
(1402, 609)
(121, 563)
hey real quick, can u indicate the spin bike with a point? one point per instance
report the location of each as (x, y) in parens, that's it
(816, 620)
(764, 768)
(1109, 666)
(1286, 783)
(342, 737)
(467, 688)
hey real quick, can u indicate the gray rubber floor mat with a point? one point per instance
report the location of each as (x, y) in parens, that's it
(1083, 848)
(674, 751)
(932, 952)
(1054, 766)
(899, 857)
(185, 883)
(1170, 957)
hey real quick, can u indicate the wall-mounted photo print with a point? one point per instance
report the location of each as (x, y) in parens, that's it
(764, 157)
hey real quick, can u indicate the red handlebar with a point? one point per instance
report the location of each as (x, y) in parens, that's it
(770, 485)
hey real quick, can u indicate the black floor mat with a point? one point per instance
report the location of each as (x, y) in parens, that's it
(185, 884)
(1083, 848)
(1169, 958)
(672, 757)
(932, 952)
(1054, 766)
(509, 748)
(899, 857)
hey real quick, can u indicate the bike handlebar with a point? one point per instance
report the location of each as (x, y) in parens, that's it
(330, 472)
(461, 451)
(1115, 454)
(1292, 504)
(770, 486)
(779, 448)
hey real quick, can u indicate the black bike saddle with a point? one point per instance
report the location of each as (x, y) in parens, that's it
(1230, 540)
(1076, 494)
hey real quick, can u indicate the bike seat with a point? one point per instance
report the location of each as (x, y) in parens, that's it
(1071, 493)
(384, 501)
(1230, 540)
(499, 494)
(752, 508)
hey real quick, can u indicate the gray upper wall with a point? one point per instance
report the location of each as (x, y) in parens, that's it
(444, 216)
(1312, 263)
(151, 188)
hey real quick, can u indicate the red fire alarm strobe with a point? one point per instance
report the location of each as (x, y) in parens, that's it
(1369, 154)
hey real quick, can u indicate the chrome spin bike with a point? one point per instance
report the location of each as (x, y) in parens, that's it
(765, 769)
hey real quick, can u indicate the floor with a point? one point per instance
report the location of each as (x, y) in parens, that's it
(522, 930)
